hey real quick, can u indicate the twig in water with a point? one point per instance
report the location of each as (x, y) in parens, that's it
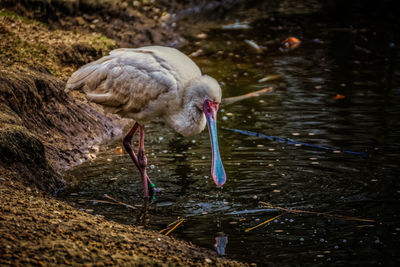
(176, 225)
(163, 230)
(174, 222)
(98, 201)
(119, 202)
(179, 222)
(169, 225)
(318, 213)
(231, 100)
(267, 221)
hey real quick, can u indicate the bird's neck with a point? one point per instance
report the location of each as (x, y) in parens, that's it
(187, 119)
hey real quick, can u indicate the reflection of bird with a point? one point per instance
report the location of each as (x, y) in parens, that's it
(150, 82)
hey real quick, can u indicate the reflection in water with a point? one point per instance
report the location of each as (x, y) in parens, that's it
(179, 149)
(328, 62)
(220, 243)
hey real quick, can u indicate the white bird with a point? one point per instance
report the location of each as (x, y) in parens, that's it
(150, 82)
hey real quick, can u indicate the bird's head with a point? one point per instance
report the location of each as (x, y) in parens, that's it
(208, 97)
(205, 88)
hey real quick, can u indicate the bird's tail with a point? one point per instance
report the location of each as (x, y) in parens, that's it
(87, 74)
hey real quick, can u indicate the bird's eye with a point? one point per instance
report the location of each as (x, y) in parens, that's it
(207, 106)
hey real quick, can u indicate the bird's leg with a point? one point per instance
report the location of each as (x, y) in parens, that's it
(148, 186)
(128, 146)
(139, 160)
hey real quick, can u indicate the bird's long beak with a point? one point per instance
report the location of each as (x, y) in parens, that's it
(217, 170)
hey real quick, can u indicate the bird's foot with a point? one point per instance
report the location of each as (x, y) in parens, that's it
(153, 190)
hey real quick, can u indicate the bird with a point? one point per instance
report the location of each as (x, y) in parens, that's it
(154, 82)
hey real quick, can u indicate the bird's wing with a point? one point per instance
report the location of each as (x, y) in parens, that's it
(126, 80)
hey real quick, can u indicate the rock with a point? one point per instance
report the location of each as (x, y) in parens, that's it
(80, 21)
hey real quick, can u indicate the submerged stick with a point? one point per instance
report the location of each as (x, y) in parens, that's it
(293, 142)
(265, 222)
(99, 201)
(119, 202)
(176, 226)
(349, 218)
(169, 225)
(231, 100)
(173, 228)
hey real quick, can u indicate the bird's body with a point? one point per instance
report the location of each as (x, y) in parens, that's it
(144, 83)
(149, 82)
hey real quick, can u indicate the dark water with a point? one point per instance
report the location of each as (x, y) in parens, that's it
(354, 53)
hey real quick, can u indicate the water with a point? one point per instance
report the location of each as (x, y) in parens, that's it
(352, 54)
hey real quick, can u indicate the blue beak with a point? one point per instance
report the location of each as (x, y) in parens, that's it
(217, 170)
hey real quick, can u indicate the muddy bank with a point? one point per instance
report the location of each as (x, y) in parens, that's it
(36, 229)
(44, 131)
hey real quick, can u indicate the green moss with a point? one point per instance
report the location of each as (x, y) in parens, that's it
(18, 50)
(13, 16)
(22, 51)
(10, 15)
(28, 43)
(105, 41)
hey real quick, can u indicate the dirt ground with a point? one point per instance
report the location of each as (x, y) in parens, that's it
(44, 131)
(38, 229)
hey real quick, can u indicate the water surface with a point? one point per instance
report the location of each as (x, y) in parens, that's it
(355, 56)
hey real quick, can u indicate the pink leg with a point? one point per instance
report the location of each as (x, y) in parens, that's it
(140, 160)
(128, 146)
